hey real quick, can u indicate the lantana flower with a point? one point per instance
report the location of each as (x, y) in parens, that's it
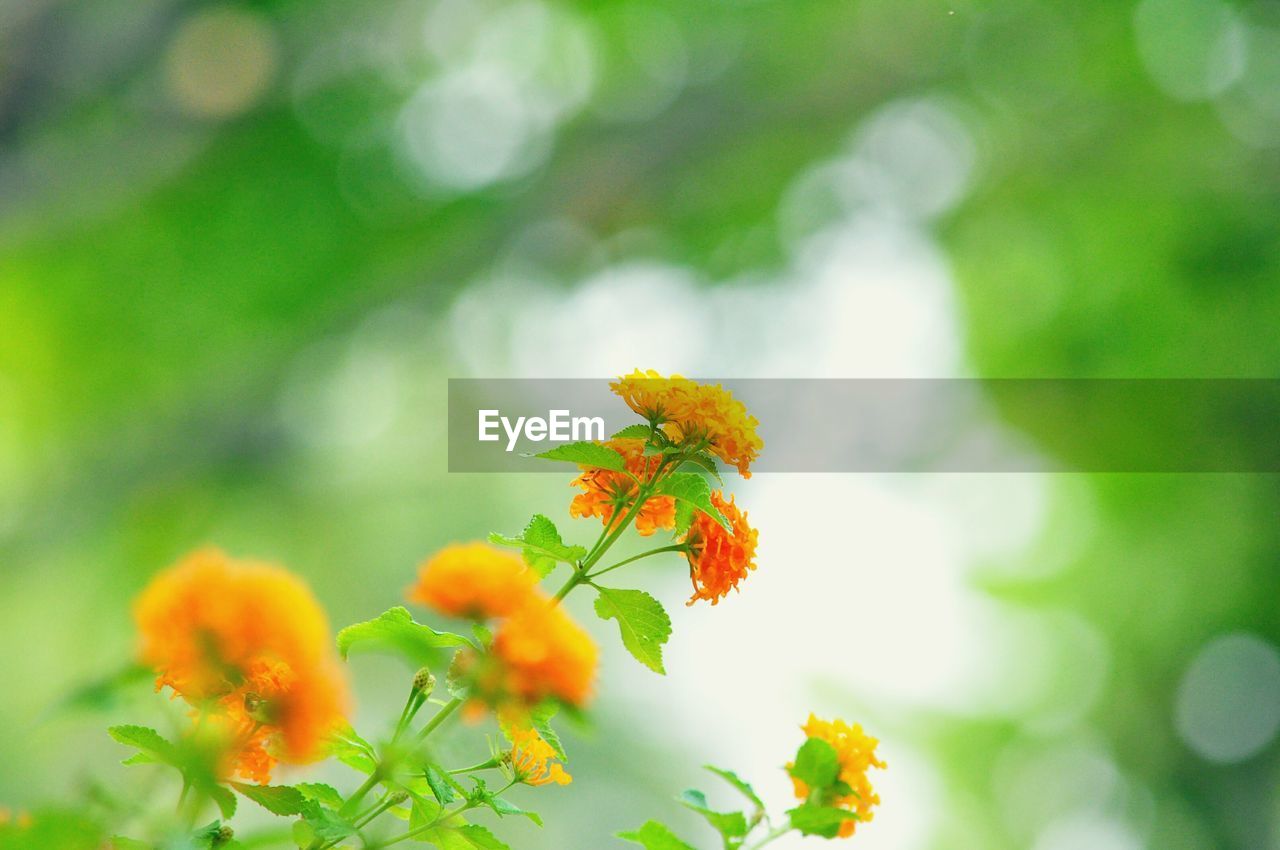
(607, 492)
(693, 414)
(719, 559)
(532, 759)
(248, 647)
(856, 752)
(473, 580)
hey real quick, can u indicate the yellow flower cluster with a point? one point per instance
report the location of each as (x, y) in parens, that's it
(531, 760)
(693, 413)
(856, 752)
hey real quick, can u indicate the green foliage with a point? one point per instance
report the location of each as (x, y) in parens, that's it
(326, 795)
(587, 454)
(504, 808)
(817, 764)
(151, 746)
(633, 432)
(395, 632)
(824, 821)
(693, 489)
(324, 823)
(277, 799)
(655, 836)
(732, 826)
(742, 786)
(440, 786)
(541, 545)
(642, 622)
(469, 837)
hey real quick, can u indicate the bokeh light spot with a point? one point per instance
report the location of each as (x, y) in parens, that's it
(1228, 705)
(220, 62)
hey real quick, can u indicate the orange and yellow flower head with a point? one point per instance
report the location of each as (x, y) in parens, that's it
(694, 413)
(473, 580)
(719, 559)
(545, 654)
(246, 644)
(607, 493)
(856, 752)
(532, 759)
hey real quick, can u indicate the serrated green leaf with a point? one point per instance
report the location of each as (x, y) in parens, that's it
(728, 824)
(707, 463)
(642, 622)
(817, 764)
(324, 794)
(587, 454)
(743, 787)
(633, 432)
(506, 807)
(278, 799)
(325, 824)
(439, 785)
(148, 742)
(223, 799)
(823, 821)
(693, 488)
(541, 546)
(655, 836)
(684, 517)
(469, 837)
(540, 719)
(395, 631)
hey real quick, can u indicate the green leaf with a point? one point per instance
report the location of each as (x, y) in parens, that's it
(439, 785)
(633, 432)
(824, 821)
(469, 837)
(108, 692)
(324, 794)
(395, 631)
(728, 824)
(684, 517)
(540, 718)
(744, 788)
(655, 836)
(642, 621)
(693, 488)
(325, 824)
(541, 546)
(150, 744)
(587, 454)
(222, 798)
(707, 463)
(817, 764)
(277, 799)
(505, 807)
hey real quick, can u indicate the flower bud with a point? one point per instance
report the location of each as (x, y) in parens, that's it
(223, 836)
(424, 681)
(399, 797)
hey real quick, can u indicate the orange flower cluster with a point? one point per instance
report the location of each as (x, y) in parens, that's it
(692, 413)
(246, 644)
(719, 559)
(857, 754)
(473, 580)
(531, 760)
(609, 493)
(538, 651)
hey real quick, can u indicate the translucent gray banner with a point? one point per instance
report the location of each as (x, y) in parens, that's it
(900, 425)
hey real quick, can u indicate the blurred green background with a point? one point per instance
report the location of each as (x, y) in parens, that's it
(243, 245)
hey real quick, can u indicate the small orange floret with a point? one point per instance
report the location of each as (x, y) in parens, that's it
(249, 645)
(608, 493)
(695, 413)
(532, 760)
(856, 752)
(544, 653)
(719, 559)
(473, 580)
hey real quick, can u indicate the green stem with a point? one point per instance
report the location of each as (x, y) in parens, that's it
(773, 835)
(349, 807)
(675, 547)
(484, 765)
(441, 716)
(414, 833)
